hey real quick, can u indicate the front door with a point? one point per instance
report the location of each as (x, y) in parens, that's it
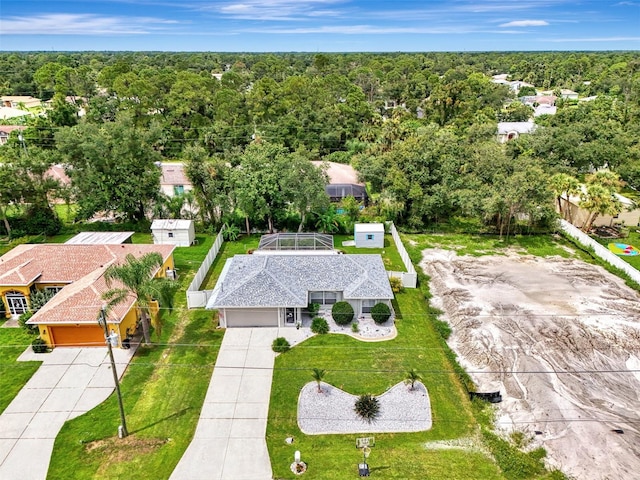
(290, 316)
(17, 303)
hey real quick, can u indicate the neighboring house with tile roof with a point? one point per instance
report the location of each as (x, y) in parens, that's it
(5, 132)
(272, 289)
(76, 273)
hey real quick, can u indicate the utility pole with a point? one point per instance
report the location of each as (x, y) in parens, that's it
(102, 320)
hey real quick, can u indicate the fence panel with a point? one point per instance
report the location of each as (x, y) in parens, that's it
(410, 277)
(194, 295)
(601, 251)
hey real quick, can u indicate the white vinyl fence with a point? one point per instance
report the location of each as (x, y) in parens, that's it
(196, 297)
(601, 251)
(410, 277)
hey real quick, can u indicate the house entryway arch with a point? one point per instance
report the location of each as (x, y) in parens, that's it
(17, 303)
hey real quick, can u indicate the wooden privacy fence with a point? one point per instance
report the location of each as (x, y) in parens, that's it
(410, 277)
(196, 297)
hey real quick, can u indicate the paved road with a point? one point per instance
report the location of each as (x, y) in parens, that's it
(70, 382)
(229, 443)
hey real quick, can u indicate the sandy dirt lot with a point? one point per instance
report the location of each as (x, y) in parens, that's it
(561, 340)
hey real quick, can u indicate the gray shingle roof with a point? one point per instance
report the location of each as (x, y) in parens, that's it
(285, 280)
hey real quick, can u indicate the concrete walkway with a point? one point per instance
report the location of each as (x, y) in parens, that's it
(229, 443)
(71, 381)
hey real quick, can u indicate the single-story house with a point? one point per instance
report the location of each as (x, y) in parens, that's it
(173, 232)
(630, 214)
(369, 235)
(173, 180)
(512, 130)
(343, 182)
(5, 132)
(10, 112)
(20, 101)
(76, 274)
(272, 290)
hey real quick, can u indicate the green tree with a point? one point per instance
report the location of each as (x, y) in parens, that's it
(599, 197)
(135, 277)
(318, 375)
(566, 186)
(112, 168)
(411, 377)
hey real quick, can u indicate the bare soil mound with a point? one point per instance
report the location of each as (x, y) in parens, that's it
(561, 340)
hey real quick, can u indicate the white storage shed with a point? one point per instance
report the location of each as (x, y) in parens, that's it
(369, 235)
(173, 232)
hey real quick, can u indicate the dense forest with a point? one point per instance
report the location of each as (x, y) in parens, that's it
(420, 129)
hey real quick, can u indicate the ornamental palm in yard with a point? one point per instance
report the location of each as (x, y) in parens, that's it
(136, 276)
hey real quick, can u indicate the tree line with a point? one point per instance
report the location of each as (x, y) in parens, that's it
(420, 129)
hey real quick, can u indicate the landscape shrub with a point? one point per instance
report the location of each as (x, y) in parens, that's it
(342, 313)
(41, 219)
(396, 284)
(380, 313)
(319, 325)
(367, 408)
(39, 346)
(355, 328)
(22, 321)
(280, 345)
(313, 309)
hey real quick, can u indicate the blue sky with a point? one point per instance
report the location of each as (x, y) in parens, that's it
(320, 25)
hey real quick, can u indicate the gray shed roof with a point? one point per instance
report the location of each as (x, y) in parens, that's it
(285, 280)
(100, 238)
(171, 224)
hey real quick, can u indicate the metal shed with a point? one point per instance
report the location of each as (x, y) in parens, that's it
(369, 235)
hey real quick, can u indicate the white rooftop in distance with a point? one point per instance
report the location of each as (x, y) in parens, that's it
(100, 238)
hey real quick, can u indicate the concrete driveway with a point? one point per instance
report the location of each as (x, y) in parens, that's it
(229, 443)
(71, 381)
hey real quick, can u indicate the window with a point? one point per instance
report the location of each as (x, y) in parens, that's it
(53, 289)
(367, 305)
(178, 189)
(170, 234)
(323, 298)
(369, 236)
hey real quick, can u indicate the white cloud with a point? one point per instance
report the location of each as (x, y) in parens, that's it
(80, 24)
(598, 39)
(362, 30)
(275, 9)
(525, 23)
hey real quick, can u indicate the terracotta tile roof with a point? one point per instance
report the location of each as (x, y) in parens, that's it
(80, 266)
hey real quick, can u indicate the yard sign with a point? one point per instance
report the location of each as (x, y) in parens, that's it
(363, 442)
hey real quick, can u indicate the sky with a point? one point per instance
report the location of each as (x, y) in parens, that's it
(319, 25)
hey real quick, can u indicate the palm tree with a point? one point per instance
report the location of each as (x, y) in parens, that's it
(318, 374)
(367, 407)
(135, 276)
(563, 184)
(412, 376)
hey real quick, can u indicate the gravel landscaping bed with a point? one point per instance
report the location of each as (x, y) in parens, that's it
(368, 330)
(401, 410)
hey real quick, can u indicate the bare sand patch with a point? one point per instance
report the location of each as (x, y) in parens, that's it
(558, 337)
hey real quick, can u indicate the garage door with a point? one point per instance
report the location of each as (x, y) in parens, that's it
(83, 336)
(252, 318)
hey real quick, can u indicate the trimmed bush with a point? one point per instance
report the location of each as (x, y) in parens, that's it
(39, 346)
(380, 313)
(342, 313)
(313, 309)
(280, 345)
(319, 325)
(396, 285)
(367, 407)
(22, 321)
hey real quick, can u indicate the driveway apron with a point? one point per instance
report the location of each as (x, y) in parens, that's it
(229, 442)
(71, 381)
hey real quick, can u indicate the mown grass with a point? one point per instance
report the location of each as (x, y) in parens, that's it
(228, 250)
(364, 367)
(13, 374)
(163, 391)
(390, 255)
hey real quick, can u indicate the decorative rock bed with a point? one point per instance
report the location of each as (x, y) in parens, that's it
(401, 410)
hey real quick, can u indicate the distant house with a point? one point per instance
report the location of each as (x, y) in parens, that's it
(512, 130)
(545, 109)
(173, 180)
(515, 85)
(569, 94)
(173, 232)
(7, 113)
(20, 101)
(630, 214)
(76, 274)
(5, 132)
(272, 290)
(369, 235)
(343, 182)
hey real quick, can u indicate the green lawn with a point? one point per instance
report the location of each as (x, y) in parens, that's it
(228, 250)
(390, 255)
(13, 374)
(163, 391)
